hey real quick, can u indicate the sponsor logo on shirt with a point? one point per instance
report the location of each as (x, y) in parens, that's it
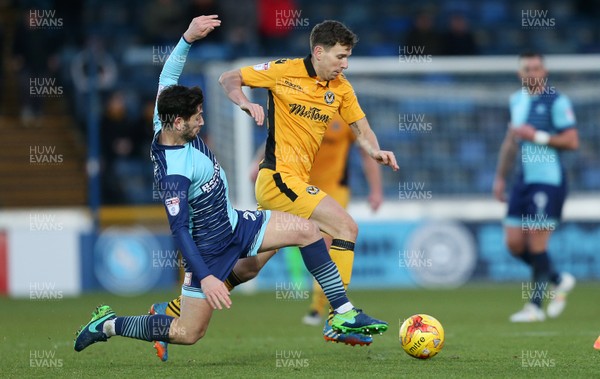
(292, 84)
(212, 183)
(312, 113)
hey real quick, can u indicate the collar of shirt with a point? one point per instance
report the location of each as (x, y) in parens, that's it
(310, 70)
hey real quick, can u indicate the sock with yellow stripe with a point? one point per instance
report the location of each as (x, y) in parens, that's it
(232, 281)
(342, 254)
(174, 307)
(319, 264)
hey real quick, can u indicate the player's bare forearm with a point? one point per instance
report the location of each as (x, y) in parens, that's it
(367, 140)
(232, 83)
(506, 157)
(198, 29)
(365, 137)
(567, 140)
(372, 173)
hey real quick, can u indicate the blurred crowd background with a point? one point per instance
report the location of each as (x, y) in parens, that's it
(117, 35)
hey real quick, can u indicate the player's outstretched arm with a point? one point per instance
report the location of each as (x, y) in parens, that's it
(177, 208)
(368, 142)
(565, 140)
(506, 158)
(372, 173)
(171, 71)
(232, 82)
(198, 29)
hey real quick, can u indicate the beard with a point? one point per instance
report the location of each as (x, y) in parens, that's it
(188, 133)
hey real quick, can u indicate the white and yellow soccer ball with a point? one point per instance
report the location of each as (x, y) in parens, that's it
(422, 336)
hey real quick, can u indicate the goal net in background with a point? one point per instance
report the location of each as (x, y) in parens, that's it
(444, 118)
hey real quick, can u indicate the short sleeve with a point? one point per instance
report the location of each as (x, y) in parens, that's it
(563, 116)
(263, 75)
(350, 110)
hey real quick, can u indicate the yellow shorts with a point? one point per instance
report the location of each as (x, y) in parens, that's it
(287, 193)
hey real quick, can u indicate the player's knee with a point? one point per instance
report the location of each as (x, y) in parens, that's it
(516, 246)
(249, 272)
(192, 336)
(309, 232)
(348, 229)
(352, 229)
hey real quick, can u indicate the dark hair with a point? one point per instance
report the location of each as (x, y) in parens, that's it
(531, 54)
(178, 101)
(330, 32)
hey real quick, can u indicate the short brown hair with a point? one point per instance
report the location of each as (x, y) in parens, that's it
(178, 101)
(330, 32)
(531, 54)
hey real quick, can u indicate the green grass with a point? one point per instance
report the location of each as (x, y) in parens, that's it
(244, 341)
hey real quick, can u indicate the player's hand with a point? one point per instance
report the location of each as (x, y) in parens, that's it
(386, 158)
(255, 111)
(216, 292)
(499, 187)
(201, 26)
(525, 132)
(375, 200)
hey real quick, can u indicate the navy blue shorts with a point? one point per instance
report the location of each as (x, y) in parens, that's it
(247, 238)
(535, 206)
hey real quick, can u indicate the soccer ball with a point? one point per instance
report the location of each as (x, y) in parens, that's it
(421, 336)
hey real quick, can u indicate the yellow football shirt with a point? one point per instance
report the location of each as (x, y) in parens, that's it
(298, 111)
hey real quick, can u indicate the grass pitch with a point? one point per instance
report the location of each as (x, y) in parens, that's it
(261, 336)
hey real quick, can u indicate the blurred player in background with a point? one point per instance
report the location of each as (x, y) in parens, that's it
(211, 234)
(303, 97)
(542, 125)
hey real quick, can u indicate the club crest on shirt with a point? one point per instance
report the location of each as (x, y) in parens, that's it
(329, 97)
(312, 190)
(187, 280)
(172, 206)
